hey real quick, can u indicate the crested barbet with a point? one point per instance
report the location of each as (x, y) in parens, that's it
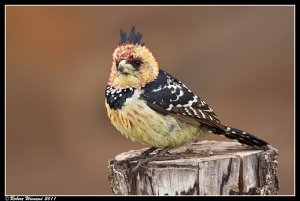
(152, 107)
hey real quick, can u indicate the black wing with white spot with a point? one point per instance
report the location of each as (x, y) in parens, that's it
(168, 95)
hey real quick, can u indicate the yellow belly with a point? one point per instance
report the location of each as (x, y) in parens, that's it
(140, 123)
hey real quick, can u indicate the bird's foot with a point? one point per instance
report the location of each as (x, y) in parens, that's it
(161, 155)
(144, 154)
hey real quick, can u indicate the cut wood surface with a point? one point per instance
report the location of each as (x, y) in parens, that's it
(204, 168)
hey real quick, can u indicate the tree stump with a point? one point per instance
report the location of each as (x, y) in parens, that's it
(204, 168)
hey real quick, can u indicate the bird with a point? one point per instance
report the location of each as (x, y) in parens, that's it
(149, 105)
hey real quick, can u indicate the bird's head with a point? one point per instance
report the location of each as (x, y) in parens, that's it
(133, 64)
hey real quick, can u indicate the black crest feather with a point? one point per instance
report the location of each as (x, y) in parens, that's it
(132, 37)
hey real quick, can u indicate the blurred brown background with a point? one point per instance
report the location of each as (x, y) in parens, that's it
(58, 137)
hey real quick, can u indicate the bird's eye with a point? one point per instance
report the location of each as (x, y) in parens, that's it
(137, 62)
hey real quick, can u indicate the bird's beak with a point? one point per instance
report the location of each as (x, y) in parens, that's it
(125, 67)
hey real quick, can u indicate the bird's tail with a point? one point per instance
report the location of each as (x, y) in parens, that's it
(245, 138)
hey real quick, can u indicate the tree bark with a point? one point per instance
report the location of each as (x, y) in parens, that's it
(204, 168)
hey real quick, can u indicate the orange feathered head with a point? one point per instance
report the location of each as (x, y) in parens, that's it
(133, 64)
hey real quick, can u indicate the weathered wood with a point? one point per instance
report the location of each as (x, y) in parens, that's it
(204, 168)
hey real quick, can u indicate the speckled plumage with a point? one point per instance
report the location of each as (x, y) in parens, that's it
(151, 106)
(135, 114)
